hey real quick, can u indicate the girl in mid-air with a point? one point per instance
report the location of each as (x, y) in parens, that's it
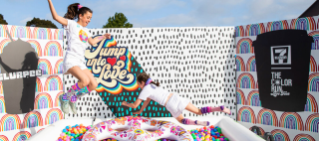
(74, 63)
(173, 103)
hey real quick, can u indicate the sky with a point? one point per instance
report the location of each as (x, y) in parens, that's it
(162, 13)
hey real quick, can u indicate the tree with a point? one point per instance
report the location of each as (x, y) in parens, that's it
(36, 22)
(119, 20)
(2, 21)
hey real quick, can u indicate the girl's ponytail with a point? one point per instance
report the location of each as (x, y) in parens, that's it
(72, 11)
(143, 77)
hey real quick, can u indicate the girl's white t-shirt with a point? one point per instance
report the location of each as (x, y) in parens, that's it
(77, 37)
(155, 93)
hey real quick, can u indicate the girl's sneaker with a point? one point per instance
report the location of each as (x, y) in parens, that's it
(72, 103)
(64, 103)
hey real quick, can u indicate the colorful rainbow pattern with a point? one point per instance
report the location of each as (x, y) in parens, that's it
(58, 34)
(3, 44)
(2, 105)
(255, 29)
(53, 115)
(246, 114)
(245, 81)
(244, 45)
(53, 83)
(45, 66)
(240, 97)
(239, 31)
(37, 47)
(3, 138)
(253, 98)
(311, 104)
(313, 82)
(280, 135)
(251, 64)
(42, 33)
(3, 32)
(10, 122)
(307, 23)
(312, 123)
(32, 119)
(291, 120)
(20, 32)
(315, 36)
(267, 117)
(38, 87)
(57, 101)
(43, 101)
(53, 48)
(303, 137)
(240, 64)
(313, 64)
(58, 69)
(21, 136)
(278, 25)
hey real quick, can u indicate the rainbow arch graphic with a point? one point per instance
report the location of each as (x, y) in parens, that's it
(22, 136)
(280, 135)
(53, 115)
(313, 64)
(307, 23)
(244, 45)
(2, 105)
(53, 83)
(57, 101)
(251, 64)
(313, 82)
(253, 98)
(239, 31)
(43, 101)
(45, 66)
(246, 114)
(240, 64)
(3, 44)
(311, 104)
(267, 117)
(291, 120)
(32, 119)
(315, 36)
(303, 137)
(246, 81)
(256, 84)
(3, 138)
(277, 25)
(3, 32)
(42, 33)
(240, 97)
(38, 87)
(58, 69)
(312, 123)
(9, 122)
(58, 34)
(20, 32)
(37, 47)
(255, 29)
(53, 48)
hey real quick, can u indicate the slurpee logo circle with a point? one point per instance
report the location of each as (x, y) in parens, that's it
(83, 36)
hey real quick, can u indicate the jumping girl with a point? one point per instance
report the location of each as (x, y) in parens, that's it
(174, 104)
(74, 63)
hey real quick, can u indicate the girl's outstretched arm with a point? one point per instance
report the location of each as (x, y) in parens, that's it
(144, 106)
(55, 15)
(94, 41)
(132, 105)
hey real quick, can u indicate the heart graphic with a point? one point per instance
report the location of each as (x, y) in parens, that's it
(123, 58)
(111, 61)
(103, 127)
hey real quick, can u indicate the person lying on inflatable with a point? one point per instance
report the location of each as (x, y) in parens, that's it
(174, 104)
